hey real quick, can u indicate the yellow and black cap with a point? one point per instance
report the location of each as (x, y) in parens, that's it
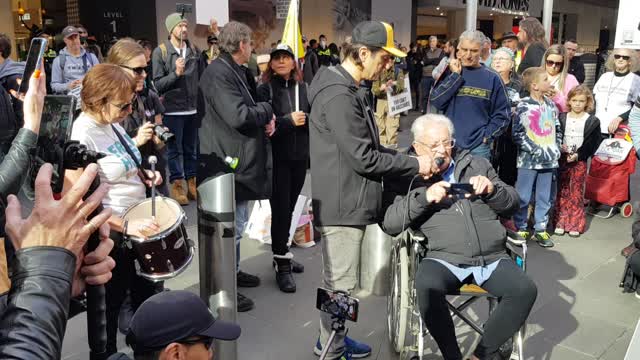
(378, 34)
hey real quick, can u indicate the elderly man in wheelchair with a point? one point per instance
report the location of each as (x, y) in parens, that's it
(457, 211)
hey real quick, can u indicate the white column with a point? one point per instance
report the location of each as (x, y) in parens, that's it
(472, 14)
(547, 13)
(398, 13)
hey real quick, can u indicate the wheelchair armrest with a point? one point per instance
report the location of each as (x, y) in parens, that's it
(416, 235)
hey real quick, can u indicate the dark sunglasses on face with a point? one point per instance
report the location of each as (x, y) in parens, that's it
(136, 70)
(623, 57)
(124, 107)
(554, 63)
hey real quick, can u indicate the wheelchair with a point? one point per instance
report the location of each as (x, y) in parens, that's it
(404, 324)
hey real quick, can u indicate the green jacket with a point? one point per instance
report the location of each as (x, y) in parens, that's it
(384, 77)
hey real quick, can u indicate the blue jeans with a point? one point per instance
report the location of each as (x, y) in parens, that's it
(425, 88)
(183, 147)
(541, 182)
(242, 218)
(482, 150)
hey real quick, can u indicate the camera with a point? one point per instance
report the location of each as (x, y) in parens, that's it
(163, 134)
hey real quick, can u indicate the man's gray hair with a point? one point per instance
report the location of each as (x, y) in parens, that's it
(433, 37)
(232, 35)
(475, 36)
(425, 121)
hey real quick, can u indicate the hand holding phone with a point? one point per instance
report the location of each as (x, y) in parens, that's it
(33, 64)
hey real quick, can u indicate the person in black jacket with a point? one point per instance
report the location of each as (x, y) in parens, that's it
(45, 274)
(311, 65)
(461, 254)
(290, 149)
(236, 126)
(176, 70)
(534, 43)
(576, 67)
(348, 164)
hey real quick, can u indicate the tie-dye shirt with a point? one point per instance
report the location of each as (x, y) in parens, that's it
(537, 133)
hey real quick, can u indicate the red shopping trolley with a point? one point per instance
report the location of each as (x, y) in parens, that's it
(609, 173)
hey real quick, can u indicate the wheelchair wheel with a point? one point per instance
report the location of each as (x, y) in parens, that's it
(398, 299)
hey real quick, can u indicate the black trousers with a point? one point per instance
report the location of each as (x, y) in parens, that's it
(634, 263)
(288, 179)
(517, 293)
(124, 281)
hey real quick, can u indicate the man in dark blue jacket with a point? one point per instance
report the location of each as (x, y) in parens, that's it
(473, 97)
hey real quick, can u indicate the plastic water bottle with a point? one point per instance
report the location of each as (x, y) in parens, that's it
(232, 162)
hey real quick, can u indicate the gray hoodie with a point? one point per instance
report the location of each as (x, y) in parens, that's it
(74, 68)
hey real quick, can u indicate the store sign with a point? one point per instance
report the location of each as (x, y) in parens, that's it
(282, 8)
(514, 7)
(628, 26)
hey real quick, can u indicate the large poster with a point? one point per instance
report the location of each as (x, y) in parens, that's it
(628, 27)
(347, 14)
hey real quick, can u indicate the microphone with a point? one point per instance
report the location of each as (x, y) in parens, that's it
(153, 161)
(439, 161)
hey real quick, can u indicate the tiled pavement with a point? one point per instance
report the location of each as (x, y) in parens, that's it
(580, 312)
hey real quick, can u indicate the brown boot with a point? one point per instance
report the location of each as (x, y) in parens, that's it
(178, 192)
(192, 194)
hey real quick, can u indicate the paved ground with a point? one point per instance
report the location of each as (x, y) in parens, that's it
(580, 312)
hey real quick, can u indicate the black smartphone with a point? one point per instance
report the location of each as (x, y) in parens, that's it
(34, 59)
(55, 132)
(338, 304)
(461, 188)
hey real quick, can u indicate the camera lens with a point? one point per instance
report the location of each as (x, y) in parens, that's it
(163, 134)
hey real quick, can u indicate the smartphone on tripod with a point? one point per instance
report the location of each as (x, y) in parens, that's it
(338, 304)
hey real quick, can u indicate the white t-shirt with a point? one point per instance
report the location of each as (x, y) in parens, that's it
(614, 96)
(574, 131)
(116, 169)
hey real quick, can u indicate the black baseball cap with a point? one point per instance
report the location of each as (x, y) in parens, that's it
(282, 48)
(508, 35)
(172, 316)
(378, 34)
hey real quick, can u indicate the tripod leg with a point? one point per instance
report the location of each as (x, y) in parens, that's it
(325, 348)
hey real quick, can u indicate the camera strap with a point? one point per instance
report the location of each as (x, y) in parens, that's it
(143, 175)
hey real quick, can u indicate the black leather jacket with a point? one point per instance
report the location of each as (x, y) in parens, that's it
(34, 322)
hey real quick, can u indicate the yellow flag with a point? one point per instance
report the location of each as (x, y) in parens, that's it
(292, 35)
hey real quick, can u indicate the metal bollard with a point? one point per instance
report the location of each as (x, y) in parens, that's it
(217, 253)
(375, 256)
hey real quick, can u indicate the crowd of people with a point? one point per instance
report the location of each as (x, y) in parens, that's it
(515, 123)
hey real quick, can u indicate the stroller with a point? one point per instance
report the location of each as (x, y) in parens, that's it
(608, 178)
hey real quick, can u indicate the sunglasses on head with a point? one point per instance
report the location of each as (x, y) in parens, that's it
(551, 63)
(623, 57)
(136, 70)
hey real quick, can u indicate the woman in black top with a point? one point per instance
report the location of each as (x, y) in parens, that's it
(290, 148)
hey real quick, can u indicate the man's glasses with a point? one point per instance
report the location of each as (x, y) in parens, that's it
(447, 144)
(623, 57)
(206, 341)
(136, 70)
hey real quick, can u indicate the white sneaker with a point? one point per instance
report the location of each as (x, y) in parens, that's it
(559, 231)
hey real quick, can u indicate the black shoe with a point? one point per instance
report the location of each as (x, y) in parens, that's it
(244, 303)
(544, 239)
(247, 280)
(284, 276)
(296, 267)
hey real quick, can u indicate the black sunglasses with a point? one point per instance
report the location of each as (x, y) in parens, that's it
(124, 107)
(623, 57)
(555, 63)
(136, 70)
(206, 341)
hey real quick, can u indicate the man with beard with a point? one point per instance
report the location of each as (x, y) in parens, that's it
(176, 70)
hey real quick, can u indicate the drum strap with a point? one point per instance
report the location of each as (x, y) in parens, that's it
(143, 175)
